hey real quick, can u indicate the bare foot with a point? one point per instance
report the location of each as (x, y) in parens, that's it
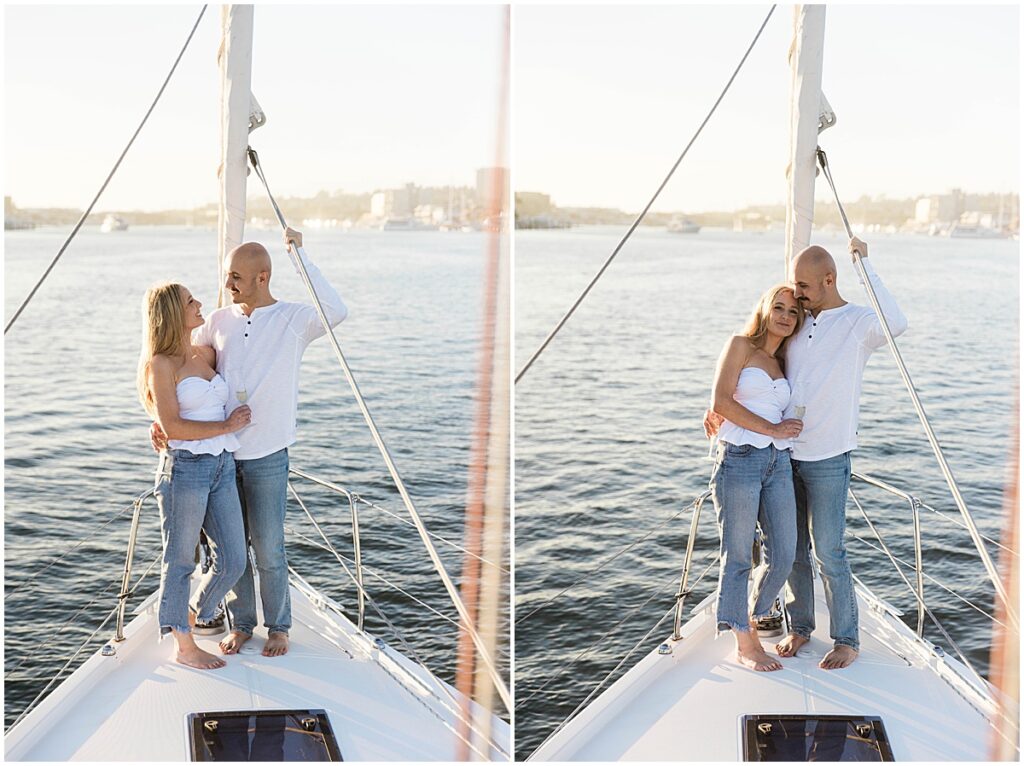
(277, 644)
(841, 656)
(235, 641)
(790, 645)
(751, 654)
(195, 657)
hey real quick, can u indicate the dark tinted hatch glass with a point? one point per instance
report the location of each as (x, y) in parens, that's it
(263, 735)
(814, 738)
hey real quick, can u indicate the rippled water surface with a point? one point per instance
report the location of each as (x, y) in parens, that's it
(77, 451)
(609, 446)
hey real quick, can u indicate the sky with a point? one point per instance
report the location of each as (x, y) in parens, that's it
(358, 97)
(607, 97)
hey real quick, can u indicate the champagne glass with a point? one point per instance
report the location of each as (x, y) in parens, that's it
(798, 413)
(241, 395)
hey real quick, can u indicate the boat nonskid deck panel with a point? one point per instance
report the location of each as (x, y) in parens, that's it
(687, 699)
(133, 703)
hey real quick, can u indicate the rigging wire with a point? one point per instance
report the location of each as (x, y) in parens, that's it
(380, 613)
(643, 212)
(85, 643)
(605, 563)
(1011, 609)
(359, 499)
(499, 684)
(659, 589)
(95, 531)
(110, 175)
(930, 578)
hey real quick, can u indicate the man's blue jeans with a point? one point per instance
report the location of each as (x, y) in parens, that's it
(751, 486)
(821, 487)
(263, 490)
(197, 492)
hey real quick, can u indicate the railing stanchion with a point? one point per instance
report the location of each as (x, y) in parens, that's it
(915, 508)
(684, 579)
(359, 560)
(122, 598)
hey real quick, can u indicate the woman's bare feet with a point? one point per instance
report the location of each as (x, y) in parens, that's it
(790, 645)
(235, 641)
(277, 644)
(840, 656)
(751, 654)
(191, 655)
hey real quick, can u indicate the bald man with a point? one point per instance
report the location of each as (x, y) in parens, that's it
(259, 342)
(825, 366)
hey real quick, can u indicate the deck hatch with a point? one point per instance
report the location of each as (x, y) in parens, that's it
(262, 735)
(815, 738)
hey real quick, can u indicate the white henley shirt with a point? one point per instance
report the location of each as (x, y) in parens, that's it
(260, 354)
(825, 366)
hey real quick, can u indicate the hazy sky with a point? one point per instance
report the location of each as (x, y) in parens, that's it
(606, 97)
(358, 97)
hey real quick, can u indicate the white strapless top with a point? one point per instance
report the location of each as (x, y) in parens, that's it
(204, 400)
(764, 396)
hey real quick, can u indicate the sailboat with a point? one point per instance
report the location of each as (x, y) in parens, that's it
(905, 698)
(341, 692)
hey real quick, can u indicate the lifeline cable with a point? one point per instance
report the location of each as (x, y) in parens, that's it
(1011, 611)
(643, 212)
(113, 170)
(453, 593)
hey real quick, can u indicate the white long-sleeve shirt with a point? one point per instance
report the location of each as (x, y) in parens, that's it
(825, 367)
(260, 354)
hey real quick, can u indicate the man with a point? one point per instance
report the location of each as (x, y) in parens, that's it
(825, 366)
(259, 342)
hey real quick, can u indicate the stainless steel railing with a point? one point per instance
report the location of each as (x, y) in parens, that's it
(913, 503)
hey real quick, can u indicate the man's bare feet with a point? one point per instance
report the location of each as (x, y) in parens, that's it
(790, 645)
(751, 654)
(840, 656)
(235, 641)
(277, 644)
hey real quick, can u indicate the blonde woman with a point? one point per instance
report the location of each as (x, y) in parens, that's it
(196, 483)
(752, 481)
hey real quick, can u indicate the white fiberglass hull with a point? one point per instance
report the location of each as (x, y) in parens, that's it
(688, 705)
(133, 706)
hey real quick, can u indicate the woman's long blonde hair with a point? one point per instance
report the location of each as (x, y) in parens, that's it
(757, 325)
(163, 332)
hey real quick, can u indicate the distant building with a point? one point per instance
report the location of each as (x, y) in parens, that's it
(395, 203)
(530, 204)
(940, 208)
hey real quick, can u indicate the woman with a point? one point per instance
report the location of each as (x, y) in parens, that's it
(752, 480)
(196, 480)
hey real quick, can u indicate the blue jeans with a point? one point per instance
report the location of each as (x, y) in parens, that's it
(197, 492)
(751, 486)
(263, 489)
(821, 487)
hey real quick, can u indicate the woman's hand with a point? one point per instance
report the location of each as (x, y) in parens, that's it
(788, 429)
(239, 418)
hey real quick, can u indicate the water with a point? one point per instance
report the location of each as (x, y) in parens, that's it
(609, 442)
(77, 447)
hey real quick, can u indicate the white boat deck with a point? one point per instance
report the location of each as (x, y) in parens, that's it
(689, 705)
(133, 706)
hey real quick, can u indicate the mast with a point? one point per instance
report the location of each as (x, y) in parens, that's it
(806, 102)
(235, 61)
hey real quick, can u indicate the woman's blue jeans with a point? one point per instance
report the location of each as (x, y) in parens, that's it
(263, 489)
(752, 486)
(197, 492)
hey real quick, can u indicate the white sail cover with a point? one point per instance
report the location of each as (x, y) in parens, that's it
(235, 60)
(805, 60)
